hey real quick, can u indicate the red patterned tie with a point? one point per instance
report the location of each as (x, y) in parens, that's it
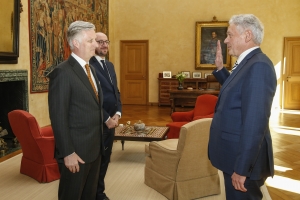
(87, 67)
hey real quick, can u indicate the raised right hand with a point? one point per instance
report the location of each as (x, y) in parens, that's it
(219, 56)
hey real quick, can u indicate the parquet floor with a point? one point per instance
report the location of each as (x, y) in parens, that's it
(285, 127)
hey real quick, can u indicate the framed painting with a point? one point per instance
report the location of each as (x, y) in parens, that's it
(49, 21)
(207, 35)
(187, 74)
(206, 74)
(9, 26)
(167, 74)
(196, 74)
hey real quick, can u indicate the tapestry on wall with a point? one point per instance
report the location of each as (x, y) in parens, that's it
(49, 21)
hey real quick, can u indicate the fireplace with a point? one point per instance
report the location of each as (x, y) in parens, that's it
(13, 95)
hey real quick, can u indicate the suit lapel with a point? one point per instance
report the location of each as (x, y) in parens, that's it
(240, 66)
(98, 85)
(82, 75)
(98, 67)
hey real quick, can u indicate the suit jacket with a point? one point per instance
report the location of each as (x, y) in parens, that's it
(75, 113)
(240, 139)
(111, 94)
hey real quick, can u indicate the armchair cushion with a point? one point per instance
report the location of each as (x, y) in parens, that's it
(182, 116)
(174, 129)
(201, 117)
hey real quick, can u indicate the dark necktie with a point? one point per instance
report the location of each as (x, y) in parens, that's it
(87, 67)
(105, 69)
(234, 66)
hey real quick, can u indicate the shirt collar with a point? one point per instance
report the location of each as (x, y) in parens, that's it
(80, 60)
(245, 53)
(99, 58)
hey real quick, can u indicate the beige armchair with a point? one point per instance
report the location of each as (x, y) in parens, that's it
(180, 168)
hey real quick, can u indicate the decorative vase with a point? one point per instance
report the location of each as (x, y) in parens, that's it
(180, 87)
(139, 126)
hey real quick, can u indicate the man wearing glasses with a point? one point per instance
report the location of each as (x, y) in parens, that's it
(112, 106)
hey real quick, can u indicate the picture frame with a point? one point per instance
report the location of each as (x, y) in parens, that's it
(207, 35)
(187, 74)
(206, 74)
(167, 74)
(196, 74)
(10, 30)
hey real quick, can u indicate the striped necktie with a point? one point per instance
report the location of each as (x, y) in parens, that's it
(234, 66)
(88, 71)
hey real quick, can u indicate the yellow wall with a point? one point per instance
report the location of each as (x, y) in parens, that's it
(170, 28)
(169, 25)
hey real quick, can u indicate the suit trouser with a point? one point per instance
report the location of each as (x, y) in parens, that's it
(252, 186)
(108, 138)
(80, 185)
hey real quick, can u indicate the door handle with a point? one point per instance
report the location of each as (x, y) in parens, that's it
(287, 78)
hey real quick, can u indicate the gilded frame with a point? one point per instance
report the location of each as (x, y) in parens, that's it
(207, 33)
(9, 26)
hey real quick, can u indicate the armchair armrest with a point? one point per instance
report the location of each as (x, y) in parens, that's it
(182, 116)
(164, 157)
(47, 131)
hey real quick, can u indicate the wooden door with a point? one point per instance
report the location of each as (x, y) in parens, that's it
(291, 73)
(134, 72)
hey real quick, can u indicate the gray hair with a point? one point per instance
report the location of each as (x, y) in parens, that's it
(75, 31)
(249, 22)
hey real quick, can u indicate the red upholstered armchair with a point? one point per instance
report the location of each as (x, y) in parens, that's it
(204, 108)
(37, 145)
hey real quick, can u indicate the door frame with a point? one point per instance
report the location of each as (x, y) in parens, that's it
(284, 70)
(147, 65)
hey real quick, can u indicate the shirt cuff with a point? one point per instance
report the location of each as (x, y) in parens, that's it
(107, 119)
(119, 113)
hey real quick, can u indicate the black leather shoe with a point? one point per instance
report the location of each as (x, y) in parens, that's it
(106, 198)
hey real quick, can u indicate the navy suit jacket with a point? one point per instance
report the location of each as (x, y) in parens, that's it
(75, 112)
(111, 93)
(240, 139)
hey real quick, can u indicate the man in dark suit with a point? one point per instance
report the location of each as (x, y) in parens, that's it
(240, 143)
(112, 106)
(75, 108)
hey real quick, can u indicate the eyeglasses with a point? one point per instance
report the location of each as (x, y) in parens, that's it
(101, 42)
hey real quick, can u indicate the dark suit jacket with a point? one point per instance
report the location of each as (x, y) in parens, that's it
(240, 139)
(75, 112)
(111, 94)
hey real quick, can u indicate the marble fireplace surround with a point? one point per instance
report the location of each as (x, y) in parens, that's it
(13, 95)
